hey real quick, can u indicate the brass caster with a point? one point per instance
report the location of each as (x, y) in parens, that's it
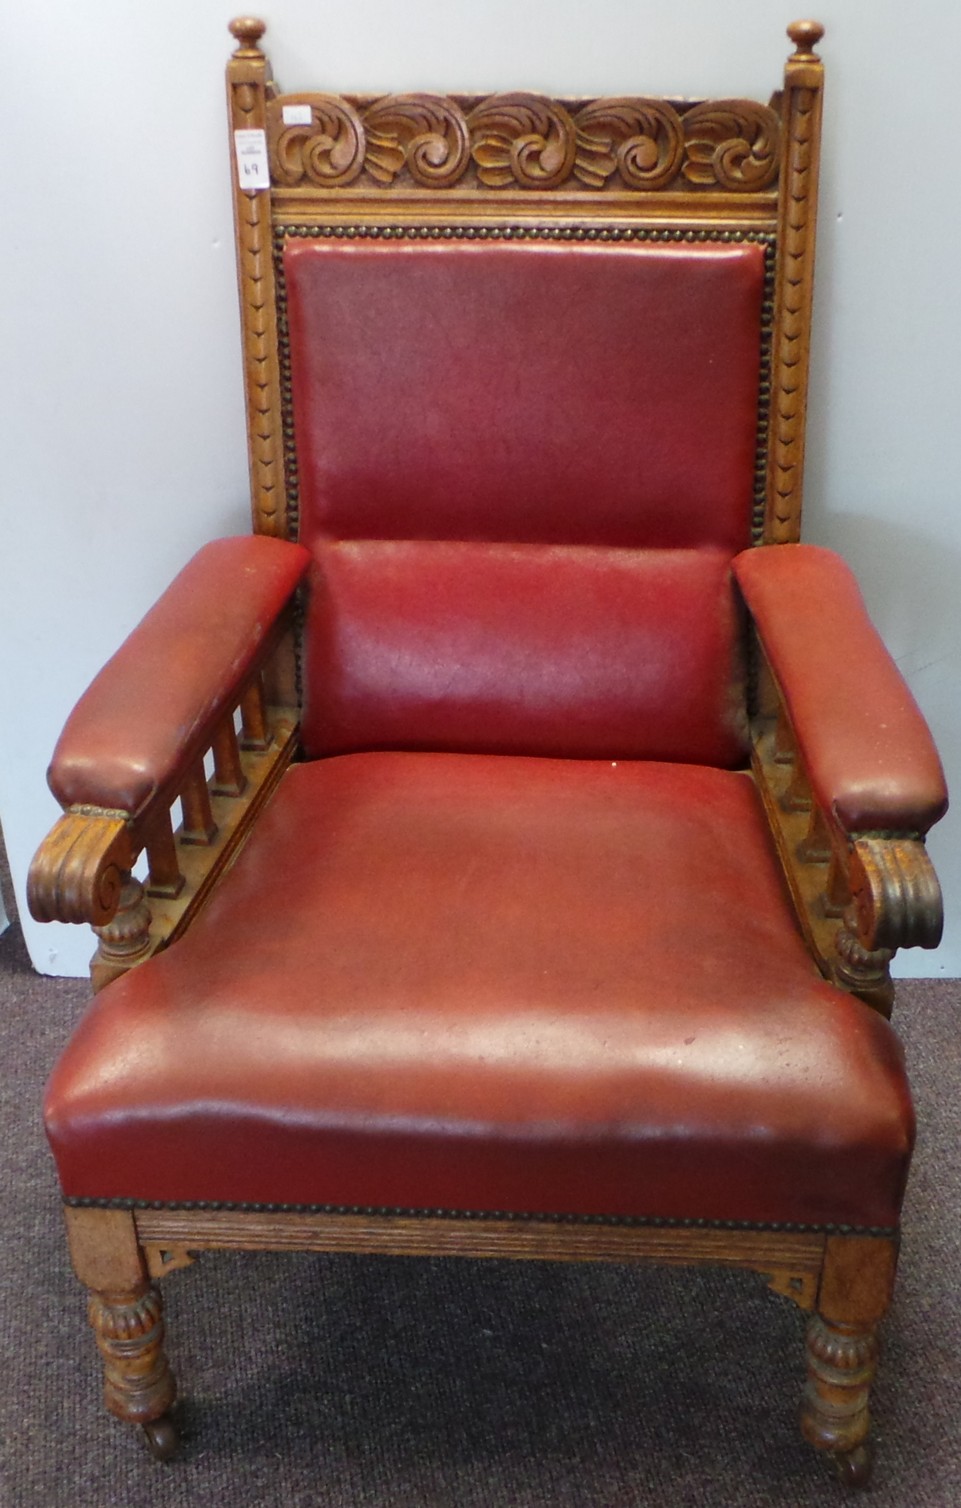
(855, 1466)
(160, 1437)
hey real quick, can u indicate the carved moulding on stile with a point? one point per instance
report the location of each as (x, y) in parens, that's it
(524, 141)
(791, 366)
(253, 236)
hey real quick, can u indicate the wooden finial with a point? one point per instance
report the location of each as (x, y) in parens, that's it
(805, 35)
(248, 30)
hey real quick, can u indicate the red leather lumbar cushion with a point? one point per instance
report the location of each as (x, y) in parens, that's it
(592, 394)
(535, 649)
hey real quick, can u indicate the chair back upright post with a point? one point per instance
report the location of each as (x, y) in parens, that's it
(801, 104)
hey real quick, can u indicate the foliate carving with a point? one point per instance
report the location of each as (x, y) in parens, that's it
(329, 151)
(428, 136)
(642, 140)
(732, 144)
(524, 141)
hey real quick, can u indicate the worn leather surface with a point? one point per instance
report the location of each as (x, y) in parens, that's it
(867, 749)
(489, 436)
(468, 982)
(149, 707)
(533, 649)
(525, 392)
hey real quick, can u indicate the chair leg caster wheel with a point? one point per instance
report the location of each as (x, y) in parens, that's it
(160, 1438)
(855, 1466)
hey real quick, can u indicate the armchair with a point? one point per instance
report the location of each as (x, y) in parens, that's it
(548, 815)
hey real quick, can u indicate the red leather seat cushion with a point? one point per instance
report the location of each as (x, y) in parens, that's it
(493, 983)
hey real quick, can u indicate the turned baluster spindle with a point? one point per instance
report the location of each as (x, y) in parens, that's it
(797, 797)
(229, 778)
(253, 712)
(815, 846)
(164, 876)
(199, 826)
(784, 747)
(838, 890)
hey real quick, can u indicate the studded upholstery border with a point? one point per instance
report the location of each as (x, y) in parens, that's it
(655, 1222)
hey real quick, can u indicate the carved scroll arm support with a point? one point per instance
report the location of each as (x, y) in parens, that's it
(82, 872)
(79, 870)
(158, 729)
(849, 773)
(895, 895)
(859, 898)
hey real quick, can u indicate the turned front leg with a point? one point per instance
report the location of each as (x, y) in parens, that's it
(126, 1312)
(841, 1361)
(138, 1383)
(855, 1289)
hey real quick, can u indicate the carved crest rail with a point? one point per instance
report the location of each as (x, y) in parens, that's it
(523, 141)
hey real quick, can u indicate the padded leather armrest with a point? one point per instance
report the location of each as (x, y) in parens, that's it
(866, 747)
(157, 700)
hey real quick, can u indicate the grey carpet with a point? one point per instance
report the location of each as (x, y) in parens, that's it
(358, 1381)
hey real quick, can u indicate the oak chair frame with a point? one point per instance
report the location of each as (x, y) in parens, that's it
(505, 167)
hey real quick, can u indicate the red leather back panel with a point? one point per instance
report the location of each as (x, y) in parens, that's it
(523, 470)
(529, 391)
(535, 649)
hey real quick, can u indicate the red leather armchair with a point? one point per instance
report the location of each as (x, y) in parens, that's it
(565, 934)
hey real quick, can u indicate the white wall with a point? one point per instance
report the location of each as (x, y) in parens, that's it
(124, 445)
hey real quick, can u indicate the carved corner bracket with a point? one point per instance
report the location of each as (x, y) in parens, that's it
(163, 1259)
(800, 1286)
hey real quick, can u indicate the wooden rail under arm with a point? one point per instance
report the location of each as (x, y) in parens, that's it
(859, 896)
(82, 871)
